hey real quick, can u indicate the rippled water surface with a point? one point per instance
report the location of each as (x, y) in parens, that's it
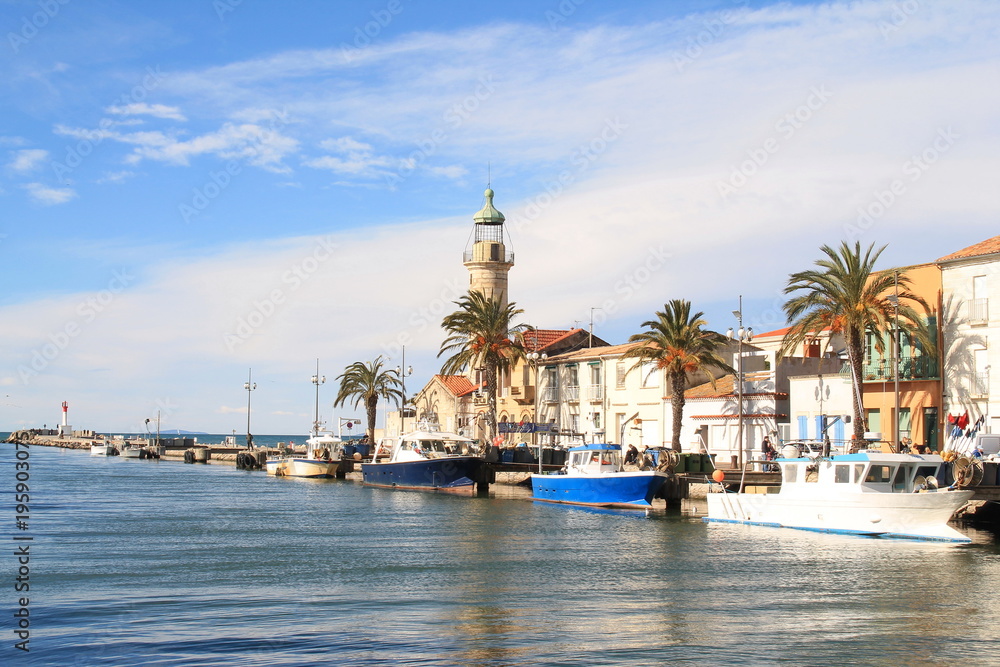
(140, 562)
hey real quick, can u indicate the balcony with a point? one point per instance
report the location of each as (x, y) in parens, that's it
(572, 393)
(910, 368)
(979, 311)
(979, 385)
(595, 393)
(550, 395)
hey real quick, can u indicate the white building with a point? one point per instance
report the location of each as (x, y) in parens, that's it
(971, 333)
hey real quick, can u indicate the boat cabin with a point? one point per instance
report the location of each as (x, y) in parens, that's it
(863, 472)
(596, 458)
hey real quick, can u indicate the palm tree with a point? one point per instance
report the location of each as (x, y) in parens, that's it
(481, 336)
(677, 343)
(846, 296)
(367, 383)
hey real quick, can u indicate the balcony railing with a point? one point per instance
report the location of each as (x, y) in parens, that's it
(979, 311)
(595, 392)
(550, 395)
(980, 383)
(572, 393)
(910, 368)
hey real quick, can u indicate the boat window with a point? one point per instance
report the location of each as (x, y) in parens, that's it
(878, 473)
(859, 469)
(927, 471)
(899, 481)
(790, 473)
(842, 474)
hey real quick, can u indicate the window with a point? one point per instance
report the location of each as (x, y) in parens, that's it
(878, 474)
(842, 474)
(574, 423)
(790, 473)
(650, 375)
(596, 418)
(899, 482)
(620, 375)
(859, 469)
(874, 418)
(595, 374)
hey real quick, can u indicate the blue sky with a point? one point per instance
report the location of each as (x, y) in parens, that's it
(192, 189)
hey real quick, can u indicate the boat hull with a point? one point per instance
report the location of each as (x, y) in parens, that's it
(619, 489)
(922, 516)
(103, 450)
(129, 452)
(301, 467)
(455, 474)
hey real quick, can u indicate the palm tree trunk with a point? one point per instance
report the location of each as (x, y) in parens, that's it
(491, 397)
(856, 360)
(677, 407)
(371, 404)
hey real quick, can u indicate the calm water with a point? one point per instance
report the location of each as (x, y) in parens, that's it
(160, 563)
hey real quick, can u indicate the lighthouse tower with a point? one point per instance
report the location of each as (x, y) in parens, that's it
(65, 428)
(488, 261)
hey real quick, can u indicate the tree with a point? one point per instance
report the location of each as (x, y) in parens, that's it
(846, 296)
(481, 336)
(677, 343)
(366, 383)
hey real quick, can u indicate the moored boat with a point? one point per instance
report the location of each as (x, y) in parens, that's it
(594, 476)
(102, 448)
(426, 459)
(321, 459)
(866, 493)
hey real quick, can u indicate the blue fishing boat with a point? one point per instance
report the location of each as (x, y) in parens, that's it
(594, 476)
(427, 459)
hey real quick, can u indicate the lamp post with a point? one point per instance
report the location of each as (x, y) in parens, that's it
(894, 302)
(317, 380)
(249, 385)
(403, 372)
(742, 336)
(534, 358)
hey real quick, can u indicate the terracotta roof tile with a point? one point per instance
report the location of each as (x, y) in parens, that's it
(987, 247)
(539, 339)
(459, 385)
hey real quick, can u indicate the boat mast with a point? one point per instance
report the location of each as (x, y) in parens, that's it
(317, 380)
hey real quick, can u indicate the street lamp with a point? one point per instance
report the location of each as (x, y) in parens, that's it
(249, 385)
(403, 371)
(534, 358)
(894, 302)
(317, 380)
(741, 335)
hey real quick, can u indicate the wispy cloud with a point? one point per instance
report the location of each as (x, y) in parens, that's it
(144, 109)
(28, 160)
(49, 196)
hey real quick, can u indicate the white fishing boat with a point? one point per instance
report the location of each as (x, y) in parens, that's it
(102, 448)
(323, 450)
(867, 493)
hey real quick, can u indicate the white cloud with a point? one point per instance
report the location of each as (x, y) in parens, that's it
(28, 159)
(49, 196)
(144, 109)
